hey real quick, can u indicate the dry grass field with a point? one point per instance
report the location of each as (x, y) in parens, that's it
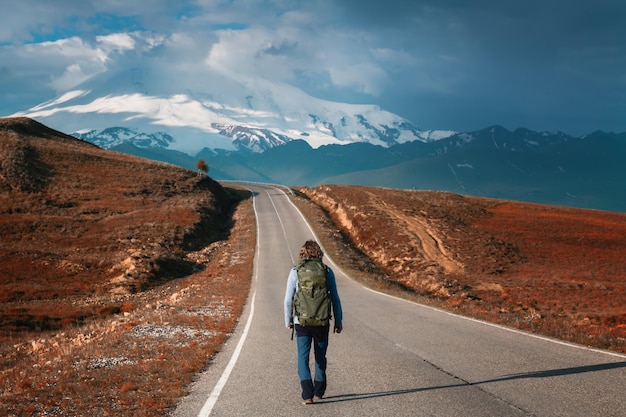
(555, 271)
(119, 277)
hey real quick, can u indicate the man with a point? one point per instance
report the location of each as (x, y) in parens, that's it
(311, 328)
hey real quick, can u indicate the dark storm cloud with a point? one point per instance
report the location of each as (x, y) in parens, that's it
(546, 64)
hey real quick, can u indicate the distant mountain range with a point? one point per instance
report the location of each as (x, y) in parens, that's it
(523, 165)
(136, 105)
(256, 130)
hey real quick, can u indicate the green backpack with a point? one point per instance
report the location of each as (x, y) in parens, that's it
(312, 301)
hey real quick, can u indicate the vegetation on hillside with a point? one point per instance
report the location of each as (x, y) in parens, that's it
(552, 270)
(119, 277)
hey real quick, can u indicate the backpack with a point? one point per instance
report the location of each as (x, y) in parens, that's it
(312, 301)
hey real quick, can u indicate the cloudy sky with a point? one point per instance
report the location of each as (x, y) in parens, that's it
(443, 64)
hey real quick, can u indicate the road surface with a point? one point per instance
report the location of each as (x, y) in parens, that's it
(394, 357)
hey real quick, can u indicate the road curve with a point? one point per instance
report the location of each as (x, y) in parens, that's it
(394, 358)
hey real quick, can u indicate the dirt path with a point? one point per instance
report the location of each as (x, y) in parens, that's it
(432, 248)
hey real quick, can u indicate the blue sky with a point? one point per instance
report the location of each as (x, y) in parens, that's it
(443, 64)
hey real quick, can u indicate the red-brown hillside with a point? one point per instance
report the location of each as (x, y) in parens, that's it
(552, 270)
(79, 220)
(112, 269)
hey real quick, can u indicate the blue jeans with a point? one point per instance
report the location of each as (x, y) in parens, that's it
(318, 337)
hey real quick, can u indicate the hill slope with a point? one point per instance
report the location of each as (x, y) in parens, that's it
(547, 269)
(111, 269)
(89, 209)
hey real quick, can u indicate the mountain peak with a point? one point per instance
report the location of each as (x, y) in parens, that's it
(222, 112)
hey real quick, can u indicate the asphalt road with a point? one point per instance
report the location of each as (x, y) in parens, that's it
(394, 358)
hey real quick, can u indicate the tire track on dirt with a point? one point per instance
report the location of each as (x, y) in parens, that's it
(432, 247)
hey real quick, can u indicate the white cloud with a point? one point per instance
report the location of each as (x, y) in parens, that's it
(365, 77)
(67, 62)
(235, 51)
(72, 76)
(275, 42)
(116, 42)
(60, 64)
(70, 48)
(289, 51)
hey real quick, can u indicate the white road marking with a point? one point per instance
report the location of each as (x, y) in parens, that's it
(217, 390)
(499, 326)
(282, 225)
(210, 402)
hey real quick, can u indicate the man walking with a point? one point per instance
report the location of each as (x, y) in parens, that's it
(311, 293)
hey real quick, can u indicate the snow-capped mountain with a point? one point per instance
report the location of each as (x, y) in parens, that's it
(115, 136)
(150, 109)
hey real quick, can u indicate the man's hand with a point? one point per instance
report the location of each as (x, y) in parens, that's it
(337, 329)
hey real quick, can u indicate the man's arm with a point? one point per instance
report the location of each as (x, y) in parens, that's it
(336, 302)
(292, 281)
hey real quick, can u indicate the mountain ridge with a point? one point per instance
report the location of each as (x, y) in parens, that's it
(253, 129)
(522, 165)
(224, 112)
